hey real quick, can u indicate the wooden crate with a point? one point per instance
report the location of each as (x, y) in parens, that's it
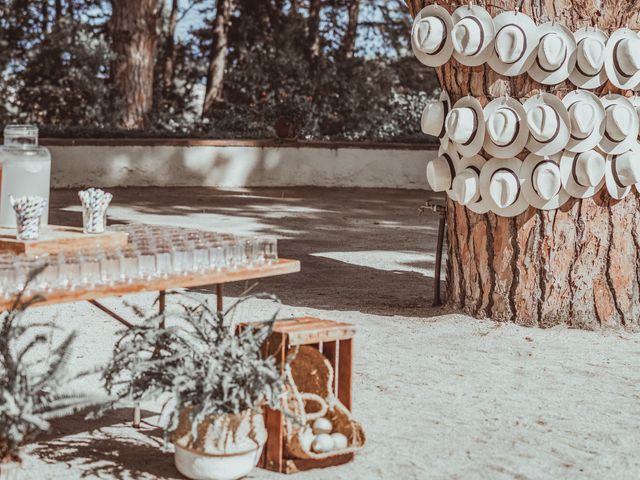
(335, 341)
(55, 239)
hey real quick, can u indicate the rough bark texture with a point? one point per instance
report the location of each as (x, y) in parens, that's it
(218, 56)
(134, 33)
(349, 40)
(577, 265)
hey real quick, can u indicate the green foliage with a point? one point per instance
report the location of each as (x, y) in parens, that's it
(198, 361)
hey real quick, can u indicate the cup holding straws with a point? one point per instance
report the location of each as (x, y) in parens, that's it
(28, 212)
(94, 209)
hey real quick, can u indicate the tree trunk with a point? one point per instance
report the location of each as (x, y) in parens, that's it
(313, 25)
(218, 55)
(578, 265)
(349, 40)
(134, 33)
(169, 47)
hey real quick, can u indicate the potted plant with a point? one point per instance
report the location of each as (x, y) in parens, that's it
(214, 383)
(33, 390)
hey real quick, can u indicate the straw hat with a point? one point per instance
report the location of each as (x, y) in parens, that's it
(434, 115)
(431, 36)
(515, 43)
(622, 172)
(472, 35)
(635, 101)
(500, 185)
(442, 170)
(466, 184)
(556, 55)
(507, 131)
(622, 60)
(621, 124)
(542, 187)
(582, 173)
(549, 124)
(465, 126)
(589, 71)
(587, 116)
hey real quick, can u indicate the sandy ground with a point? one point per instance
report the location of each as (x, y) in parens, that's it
(441, 395)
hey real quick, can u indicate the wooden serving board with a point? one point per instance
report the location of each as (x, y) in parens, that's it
(54, 238)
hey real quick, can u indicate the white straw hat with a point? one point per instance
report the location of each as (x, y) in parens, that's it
(622, 172)
(622, 59)
(466, 184)
(431, 36)
(589, 71)
(515, 44)
(542, 185)
(621, 124)
(556, 54)
(434, 115)
(500, 185)
(549, 124)
(587, 116)
(465, 126)
(635, 101)
(472, 35)
(506, 127)
(442, 170)
(582, 173)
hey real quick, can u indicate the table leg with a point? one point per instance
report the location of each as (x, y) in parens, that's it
(219, 298)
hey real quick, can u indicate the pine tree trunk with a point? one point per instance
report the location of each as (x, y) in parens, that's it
(578, 265)
(218, 55)
(349, 40)
(134, 33)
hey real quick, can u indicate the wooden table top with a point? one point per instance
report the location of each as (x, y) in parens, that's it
(280, 267)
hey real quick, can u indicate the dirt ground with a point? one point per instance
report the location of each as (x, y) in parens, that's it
(441, 395)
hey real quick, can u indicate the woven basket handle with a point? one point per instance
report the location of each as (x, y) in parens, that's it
(318, 399)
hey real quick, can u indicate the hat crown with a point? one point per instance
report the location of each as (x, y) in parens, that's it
(628, 168)
(590, 168)
(628, 55)
(583, 117)
(428, 33)
(590, 56)
(461, 124)
(619, 121)
(466, 186)
(433, 118)
(439, 174)
(543, 122)
(466, 36)
(546, 180)
(503, 188)
(552, 51)
(502, 125)
(510, 44)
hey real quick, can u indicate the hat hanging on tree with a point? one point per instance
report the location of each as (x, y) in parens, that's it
(589, 71)
(465, 126)
(542, 185)
(582, 173)
(622, 172)
(549, 124)
(506, 127)
(442, 170)
(434, 115)
(515, 44)
(587, 116)
(556, 56)
(635, 101)
(431, 36)
(466, 184)
(622, 59)
(501, 185)
(621, 124)
(472, 35)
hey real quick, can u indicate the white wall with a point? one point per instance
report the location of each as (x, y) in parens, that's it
(237, 166)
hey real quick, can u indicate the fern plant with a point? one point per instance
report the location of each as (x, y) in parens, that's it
(32, 390)
(199, 364)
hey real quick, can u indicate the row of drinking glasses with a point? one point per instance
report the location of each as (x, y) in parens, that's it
(142, 258)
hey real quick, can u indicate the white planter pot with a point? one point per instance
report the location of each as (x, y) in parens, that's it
(200, 466)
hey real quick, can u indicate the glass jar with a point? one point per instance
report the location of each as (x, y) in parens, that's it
(25, 169)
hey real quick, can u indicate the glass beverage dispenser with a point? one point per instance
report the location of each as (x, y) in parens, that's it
(25, 169)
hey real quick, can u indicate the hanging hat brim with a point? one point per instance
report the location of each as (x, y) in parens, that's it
(615, 190)
(563, 133)
(444, 53)
(594, 138)
(559, 75)
(442, 137)
(573, 188)
(486, 24)
(613, 146)
(477, 141)
(489, 168)
(518, 144)
(579, 78)
(481, 206)
(530, 30)
(530, 193)
(615, 76)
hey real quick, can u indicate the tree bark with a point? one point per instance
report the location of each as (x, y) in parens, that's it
(349, 40)
(313, 26)
(218, 55)
(578, 265)
(169, 47)
(134, 34)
